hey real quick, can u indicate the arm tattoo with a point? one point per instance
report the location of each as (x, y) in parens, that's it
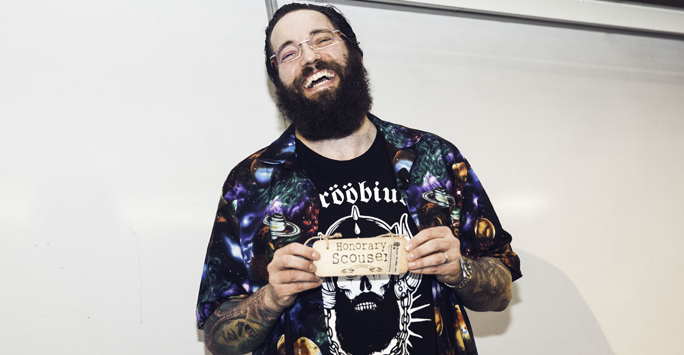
(240, 326)
(489, 289)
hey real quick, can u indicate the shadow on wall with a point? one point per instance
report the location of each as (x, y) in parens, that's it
(546, 316)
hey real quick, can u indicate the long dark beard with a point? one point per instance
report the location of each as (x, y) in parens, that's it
(365, 332)
(331, 114)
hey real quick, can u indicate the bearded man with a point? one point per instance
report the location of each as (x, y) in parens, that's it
(339, 168)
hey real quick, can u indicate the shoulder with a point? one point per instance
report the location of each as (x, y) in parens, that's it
(403, 137)
(247, 183)
(449, 152)
(430, 138)
(241, 174)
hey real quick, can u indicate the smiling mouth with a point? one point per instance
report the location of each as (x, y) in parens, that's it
(319, 78)
(365, 306)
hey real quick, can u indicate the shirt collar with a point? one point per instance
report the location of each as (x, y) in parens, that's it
(398, 136)
(282, 150)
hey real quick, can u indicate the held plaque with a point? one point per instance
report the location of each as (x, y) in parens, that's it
(361, 256)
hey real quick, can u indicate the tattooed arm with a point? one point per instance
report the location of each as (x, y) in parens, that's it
(240, 326)
(489, 288)
(436, 251)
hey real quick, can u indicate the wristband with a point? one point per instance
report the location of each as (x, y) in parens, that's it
(466, 274)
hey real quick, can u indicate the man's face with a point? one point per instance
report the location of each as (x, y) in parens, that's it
(297, 75)
(332, 106)
(354, 286)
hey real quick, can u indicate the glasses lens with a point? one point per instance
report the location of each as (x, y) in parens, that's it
(324, 39)
(287, 54)
(316, 42)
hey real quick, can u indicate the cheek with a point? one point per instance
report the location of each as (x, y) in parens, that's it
(286, 77)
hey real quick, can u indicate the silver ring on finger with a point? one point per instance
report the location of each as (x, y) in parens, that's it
(445, 257)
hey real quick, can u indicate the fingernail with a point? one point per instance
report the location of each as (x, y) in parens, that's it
(410, 256)
(314, 255)
(411, 264)
(407, 247)
(311, 267)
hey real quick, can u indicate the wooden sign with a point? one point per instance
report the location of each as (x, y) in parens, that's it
(361, 256)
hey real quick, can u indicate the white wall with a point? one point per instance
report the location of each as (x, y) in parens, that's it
(121, 119)
(578, 138)
(603, 12)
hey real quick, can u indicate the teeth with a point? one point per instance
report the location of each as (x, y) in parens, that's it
(320, 74)
(365, 306)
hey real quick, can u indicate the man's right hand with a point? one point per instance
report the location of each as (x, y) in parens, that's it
(290, 272)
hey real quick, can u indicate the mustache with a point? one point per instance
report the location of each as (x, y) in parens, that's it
(331, 113)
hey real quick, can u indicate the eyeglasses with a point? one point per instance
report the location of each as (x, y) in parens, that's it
(316, 42)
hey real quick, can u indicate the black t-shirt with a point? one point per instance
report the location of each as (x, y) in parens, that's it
(370, 314)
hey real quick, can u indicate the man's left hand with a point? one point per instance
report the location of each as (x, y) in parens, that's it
(435, 251)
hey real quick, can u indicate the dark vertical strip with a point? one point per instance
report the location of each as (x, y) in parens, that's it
(289, 344)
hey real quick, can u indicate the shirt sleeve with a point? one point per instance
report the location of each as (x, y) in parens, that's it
(224, 275)
(480, 230)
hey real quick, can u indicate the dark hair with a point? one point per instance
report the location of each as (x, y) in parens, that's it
(333, 14)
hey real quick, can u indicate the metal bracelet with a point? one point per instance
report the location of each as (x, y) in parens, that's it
(467, 272)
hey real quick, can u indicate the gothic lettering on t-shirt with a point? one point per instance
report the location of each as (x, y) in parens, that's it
(371, 314)
(361, 192)
(374, 314)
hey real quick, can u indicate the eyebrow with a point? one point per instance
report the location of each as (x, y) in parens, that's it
(313, 32)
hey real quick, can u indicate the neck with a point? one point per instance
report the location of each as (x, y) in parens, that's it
(346, 148)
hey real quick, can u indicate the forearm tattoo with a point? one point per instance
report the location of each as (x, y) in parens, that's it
(489, 289)
(240, 326)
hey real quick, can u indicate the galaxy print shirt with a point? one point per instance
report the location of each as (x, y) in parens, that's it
(268, 202)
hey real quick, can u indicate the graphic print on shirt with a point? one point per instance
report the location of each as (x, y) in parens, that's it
(371, 314)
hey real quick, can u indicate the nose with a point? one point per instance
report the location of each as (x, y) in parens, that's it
(309, 55)
(365, 284)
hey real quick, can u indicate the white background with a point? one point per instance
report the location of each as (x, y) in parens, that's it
(605, 12)
(121, 119)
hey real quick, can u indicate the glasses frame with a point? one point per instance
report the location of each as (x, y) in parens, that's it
(307, 41)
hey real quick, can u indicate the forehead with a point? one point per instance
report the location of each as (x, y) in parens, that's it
(297, 26)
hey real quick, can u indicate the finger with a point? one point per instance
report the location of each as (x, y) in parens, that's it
(289, 261)
(426, 235)
(299, 250)
(435, 259)
(428, 248)
(449, 268)
(295, 287)
(443, 269)
(293, 276)
(284, 293)
(420, 238)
